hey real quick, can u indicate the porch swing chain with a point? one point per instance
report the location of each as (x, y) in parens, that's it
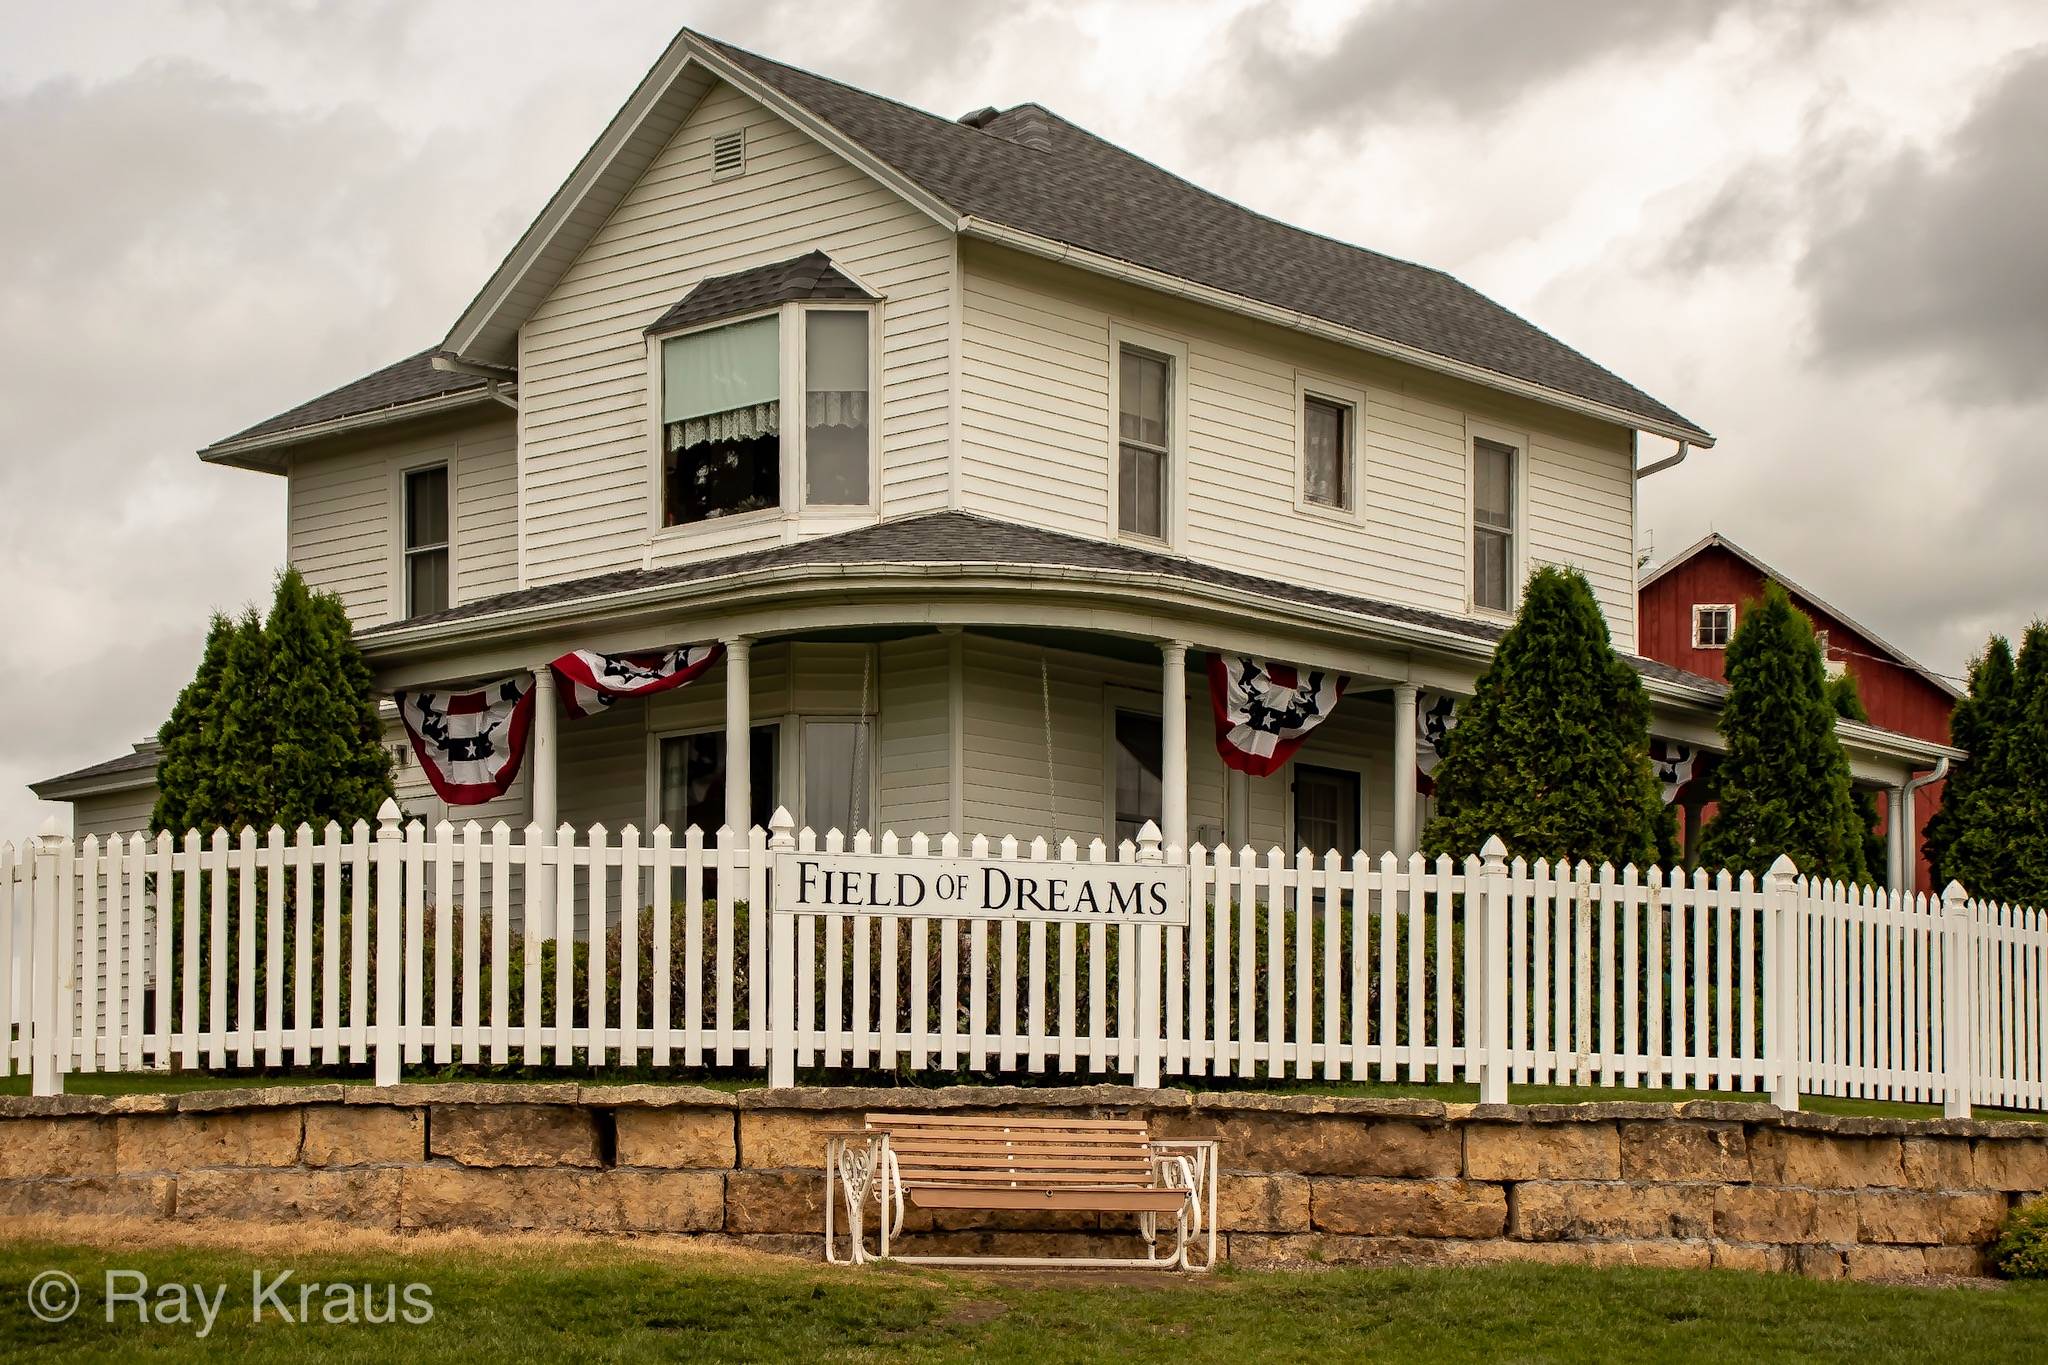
(1052, 789)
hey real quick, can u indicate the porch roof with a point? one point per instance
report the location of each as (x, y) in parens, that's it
(969, 538)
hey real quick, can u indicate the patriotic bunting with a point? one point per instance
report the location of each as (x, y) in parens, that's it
(1265, 710)
(592, 681)
(1677, 765)
(470, 743)
(1435, 717)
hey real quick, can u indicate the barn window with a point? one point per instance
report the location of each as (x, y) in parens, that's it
(1712, 625)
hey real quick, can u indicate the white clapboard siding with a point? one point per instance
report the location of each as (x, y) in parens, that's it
(344, 504)
(311, 946)
(1035, 422)
(583, 367)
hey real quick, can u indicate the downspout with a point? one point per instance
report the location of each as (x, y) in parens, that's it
(1907, 823)
(495, 390)
(1684, 449)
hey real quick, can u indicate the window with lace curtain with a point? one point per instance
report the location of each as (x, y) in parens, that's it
(721, 421)
(723, 424)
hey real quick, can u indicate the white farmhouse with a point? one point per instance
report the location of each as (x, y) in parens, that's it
(971, 441)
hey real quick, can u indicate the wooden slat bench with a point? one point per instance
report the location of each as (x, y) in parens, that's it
(950, 1161)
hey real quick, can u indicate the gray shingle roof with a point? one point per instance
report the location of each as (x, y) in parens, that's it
(809, 276)
(139, 760)
(970, 538)
(1031, 170)
(405, 381)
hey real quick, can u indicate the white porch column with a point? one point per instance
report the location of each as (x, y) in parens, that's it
(1237, 808)
(1897, 859)
(739, 729)
(546, 725)
(544, 789)
(1405, 834)
(1173, 738)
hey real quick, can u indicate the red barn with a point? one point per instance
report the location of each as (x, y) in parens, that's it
(1687, 607)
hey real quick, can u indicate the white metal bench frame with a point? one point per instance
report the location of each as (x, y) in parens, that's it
(861, 1167)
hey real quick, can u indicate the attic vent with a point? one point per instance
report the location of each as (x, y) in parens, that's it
(729, 153)
(979, 118)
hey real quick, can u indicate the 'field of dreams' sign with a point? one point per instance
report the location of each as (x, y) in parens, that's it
(974, 888)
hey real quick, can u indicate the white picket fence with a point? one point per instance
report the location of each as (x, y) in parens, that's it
(401, 945)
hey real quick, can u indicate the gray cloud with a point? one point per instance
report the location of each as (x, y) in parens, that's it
(1468, 58)
(1940, 257)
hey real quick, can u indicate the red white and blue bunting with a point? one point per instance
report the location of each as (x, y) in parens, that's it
(1677, 764)
(1264, 711)
(591, 682)
(1436, 715)
(470, 743)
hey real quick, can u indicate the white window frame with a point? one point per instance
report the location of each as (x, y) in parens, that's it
(1518, 541)
(790, 332)
(1699, 610)
(781, 725)
(399, 603)
(1138, 702)
(1340, 394)
(840, 509)
(1173, 516)
(1360, 766)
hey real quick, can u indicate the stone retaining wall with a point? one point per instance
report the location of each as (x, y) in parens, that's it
(1306, 1178)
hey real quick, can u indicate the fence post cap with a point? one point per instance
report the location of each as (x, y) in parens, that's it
(1148, 843)
(388, 816)
(781, 828)
(1954, 891)
(1494, 850)
(1784, 866)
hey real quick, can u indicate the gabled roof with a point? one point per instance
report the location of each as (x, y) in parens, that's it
(1031, 179)
(402, 387)
(1714, 540)
(809, 276)
(134, 769)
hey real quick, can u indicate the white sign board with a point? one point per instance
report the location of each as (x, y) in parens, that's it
(974, 888)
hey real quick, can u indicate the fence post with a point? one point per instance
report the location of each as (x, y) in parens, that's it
(387, 994)
(1493, 1069)
(1781, 985)
(782, 1002)
(1958, 999)
(1150, 1044)
(45, 927)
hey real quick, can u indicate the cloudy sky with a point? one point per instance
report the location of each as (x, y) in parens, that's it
(1814, 226)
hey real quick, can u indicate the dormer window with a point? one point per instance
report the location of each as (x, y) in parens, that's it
(721, 421)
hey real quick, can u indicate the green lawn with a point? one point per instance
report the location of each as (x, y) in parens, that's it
(154, 1082)
(581, 1301)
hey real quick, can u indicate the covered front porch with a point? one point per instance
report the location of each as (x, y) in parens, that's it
(929, 676)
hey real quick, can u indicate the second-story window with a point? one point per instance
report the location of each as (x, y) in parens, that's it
(1326, 452)
(426, 540)
(721, 416)
(1144, 382)
(1712, 625)
(835, 407)
(1493, 525)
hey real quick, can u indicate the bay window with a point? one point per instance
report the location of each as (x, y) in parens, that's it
(836, 407)
(721, 421)
(732, 395)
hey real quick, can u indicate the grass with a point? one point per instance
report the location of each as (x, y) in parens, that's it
(508, 1299)
(176, 1082)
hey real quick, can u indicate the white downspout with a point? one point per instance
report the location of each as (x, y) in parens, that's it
(1909, 844)
(1668, 462)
